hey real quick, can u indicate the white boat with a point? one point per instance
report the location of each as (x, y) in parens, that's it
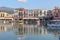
(53, 23)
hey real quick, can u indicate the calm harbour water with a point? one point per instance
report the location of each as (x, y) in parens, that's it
(15, 31)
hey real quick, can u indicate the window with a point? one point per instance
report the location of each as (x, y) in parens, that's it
(35, 15)
(30, 14)
(26, 14)
(20, 14)
(44, 12)
(40, 12)
(59, 10)
(1, 15)
(56, 15)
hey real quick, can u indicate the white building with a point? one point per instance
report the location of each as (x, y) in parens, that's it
(42, 13)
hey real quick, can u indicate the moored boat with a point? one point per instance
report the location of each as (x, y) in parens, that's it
(21, 22)
(53, 23)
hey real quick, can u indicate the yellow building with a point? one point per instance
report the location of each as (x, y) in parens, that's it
(3, 14)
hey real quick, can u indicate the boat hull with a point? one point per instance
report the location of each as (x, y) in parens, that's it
(53, 25)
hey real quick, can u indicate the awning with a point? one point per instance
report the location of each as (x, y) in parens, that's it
(30, 18)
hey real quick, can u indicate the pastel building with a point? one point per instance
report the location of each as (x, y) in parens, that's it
(34, 15)
(20, 12)
(54, 14)
(30, 16)
(16, 16)
(42, 13)
(5, 15)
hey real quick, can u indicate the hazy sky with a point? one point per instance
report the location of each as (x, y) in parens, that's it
(30, 4)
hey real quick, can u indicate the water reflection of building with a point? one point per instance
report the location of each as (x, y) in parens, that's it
(6, 27)
(3, 28)
(27, 30)
(55, 32)
(23, 31)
